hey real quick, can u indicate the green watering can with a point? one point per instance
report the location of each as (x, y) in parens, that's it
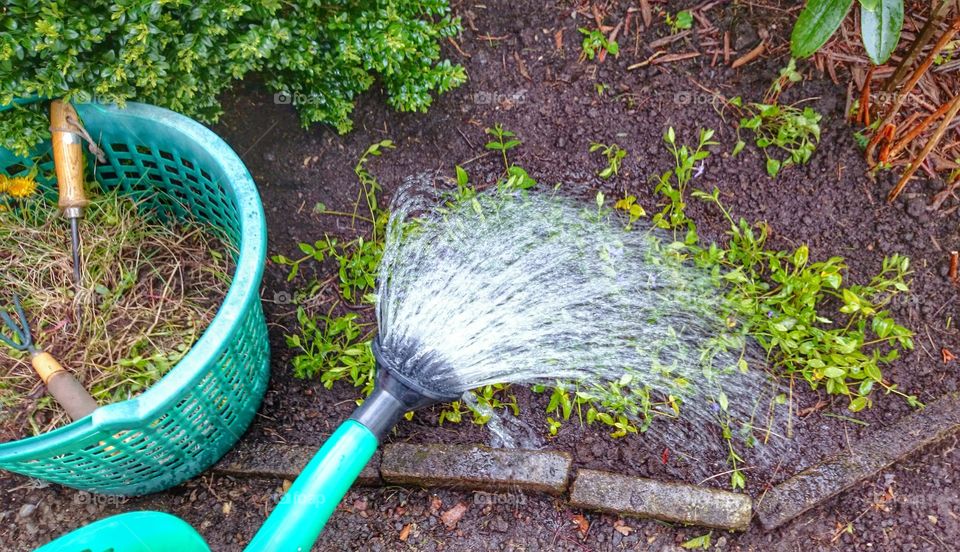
(296, 522)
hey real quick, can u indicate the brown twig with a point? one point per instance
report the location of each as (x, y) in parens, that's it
(865, 98)
(918, 45)
(954, 261)
(671, 58)
(901, 97)
(915, 131)
(934, 140)
(749, 56)
(726, 47)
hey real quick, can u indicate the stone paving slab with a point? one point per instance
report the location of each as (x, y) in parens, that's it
(675, 502)
(282, 461)
(861, 460)
(476, 467)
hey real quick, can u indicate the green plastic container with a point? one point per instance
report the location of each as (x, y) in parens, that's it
(132, 532)
(193, 415)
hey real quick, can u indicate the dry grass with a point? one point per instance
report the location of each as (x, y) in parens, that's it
(147, 294)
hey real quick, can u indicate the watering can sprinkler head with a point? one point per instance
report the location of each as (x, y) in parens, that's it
(394, 394)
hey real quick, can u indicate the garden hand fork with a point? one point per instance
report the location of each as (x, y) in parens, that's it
(61, 384)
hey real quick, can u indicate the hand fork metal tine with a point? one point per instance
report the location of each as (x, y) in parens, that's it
(21, 329)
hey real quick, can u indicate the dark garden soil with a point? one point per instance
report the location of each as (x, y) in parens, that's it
(519, 77)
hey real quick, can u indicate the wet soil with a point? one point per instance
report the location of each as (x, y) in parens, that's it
(519, 77)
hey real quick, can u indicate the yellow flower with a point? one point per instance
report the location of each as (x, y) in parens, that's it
(3, 183)
(21, 187)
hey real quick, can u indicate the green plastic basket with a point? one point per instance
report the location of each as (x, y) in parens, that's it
(193, 415)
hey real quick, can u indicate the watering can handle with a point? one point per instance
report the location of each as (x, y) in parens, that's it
(296, 522)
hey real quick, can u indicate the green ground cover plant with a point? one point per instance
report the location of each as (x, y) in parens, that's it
(317, 55)
(614, 155)
(778, 297)
(595, 42)
(792, 130)
(682, 21)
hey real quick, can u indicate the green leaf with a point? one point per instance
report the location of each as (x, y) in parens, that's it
(880, 28)
(858, 404)
(816, 24)
(738, 148)
(462, 178)
(723, 401)
(801, 255)
(834, 372)
(773, 167)
(684, 19)
(737, 480)
(702, 542)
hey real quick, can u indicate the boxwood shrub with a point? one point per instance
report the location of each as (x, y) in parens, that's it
(180, 54)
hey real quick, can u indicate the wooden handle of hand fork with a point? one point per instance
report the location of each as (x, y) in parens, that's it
(68, 158)
(63, 387)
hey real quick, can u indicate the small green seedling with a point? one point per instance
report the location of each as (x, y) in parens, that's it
(680, 22)
(614, 155)
(503, 141)
(633, 209)
(595, 42)
(788, 128)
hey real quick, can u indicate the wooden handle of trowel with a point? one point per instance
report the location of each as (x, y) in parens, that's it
(63, 387)
(68, 158)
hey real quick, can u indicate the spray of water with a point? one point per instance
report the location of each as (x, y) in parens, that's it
(533, 288)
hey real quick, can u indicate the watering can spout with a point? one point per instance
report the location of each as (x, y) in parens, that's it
(394, 395)
(383, 408)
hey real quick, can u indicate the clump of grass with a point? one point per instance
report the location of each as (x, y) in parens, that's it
(148, 291)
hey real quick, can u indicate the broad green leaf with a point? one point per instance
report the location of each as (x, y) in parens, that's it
(773, 166)
(858, 404)
(739, 147)
(723, 401)
(880, 28)
(816, 24)
(833, 372)
(702, 543)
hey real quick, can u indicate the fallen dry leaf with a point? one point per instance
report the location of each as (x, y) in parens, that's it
(620, 527)
(435, 504)
(405, 532)
(227, 508)
(948, 355)
(582, 524)
(453, 515)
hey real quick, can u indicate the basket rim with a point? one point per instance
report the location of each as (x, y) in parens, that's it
(244, 288)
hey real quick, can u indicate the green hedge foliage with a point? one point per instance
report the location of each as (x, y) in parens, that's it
(180, 54)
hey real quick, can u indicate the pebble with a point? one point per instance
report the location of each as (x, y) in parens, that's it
(26, 511)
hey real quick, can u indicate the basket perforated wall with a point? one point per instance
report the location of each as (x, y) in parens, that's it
(190, 418)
